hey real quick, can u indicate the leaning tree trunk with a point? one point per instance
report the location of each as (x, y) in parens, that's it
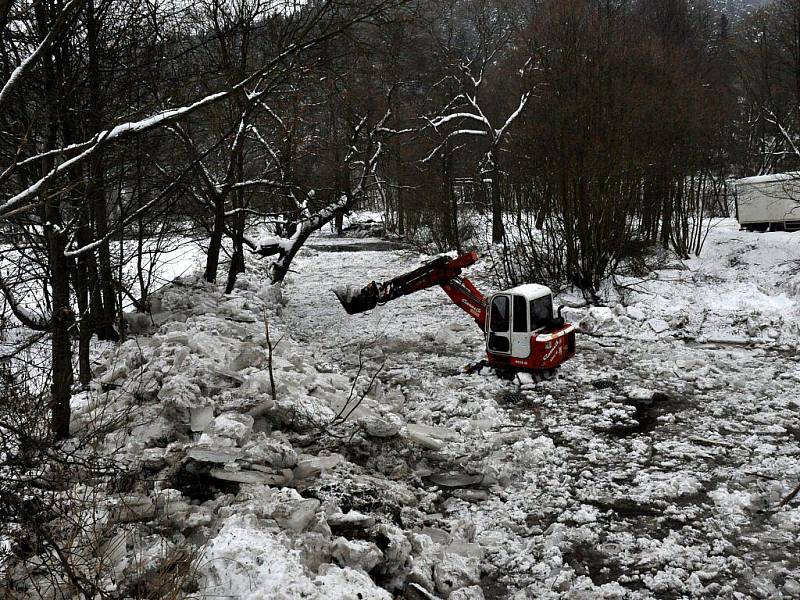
(280, 267)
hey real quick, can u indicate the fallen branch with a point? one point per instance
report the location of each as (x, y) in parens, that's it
(790, 497)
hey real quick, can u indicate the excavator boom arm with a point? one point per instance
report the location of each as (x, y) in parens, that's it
(443, 271)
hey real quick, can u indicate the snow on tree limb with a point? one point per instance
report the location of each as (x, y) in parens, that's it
(773, 118)
(451, 135)
(441, 120)
(23, 315)
(103, 138)
(499, 133)
(61, 23)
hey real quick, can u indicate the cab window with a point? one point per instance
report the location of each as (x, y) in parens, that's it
(499, 318)
(520, 315)
(541, 312)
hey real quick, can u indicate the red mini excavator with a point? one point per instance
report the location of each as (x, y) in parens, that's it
(521, 331)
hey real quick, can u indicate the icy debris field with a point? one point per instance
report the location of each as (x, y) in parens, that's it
(652, 467)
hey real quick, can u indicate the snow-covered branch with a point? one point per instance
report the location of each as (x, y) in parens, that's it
(61, 23)
(26, 317)
(773, 118)
(437, 122)
(499, 133)
(451, 135)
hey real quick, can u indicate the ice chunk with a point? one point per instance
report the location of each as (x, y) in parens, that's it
(353, 519)
(179, 394)
(200, 416)
(792, 588)
(380, 426)
(144, 386)
(396, 551)
(271, 294)
(296, 513)
(728, 339)
(233, 564)
(455, 480)
(430, 436)
(312, 466)
(250, 476)
(211, 452)
(250, 355)
(472, 592)
(180, 357)
(638, 394)
(269, 451)
(153, 458)
(415, 591)
(115, 373)
(424, 440)
(454, 572)
(658, 325)
(335, 583)
(233, 425)
(599, 319)
(635, 313)
(357, 554)
(133, 507)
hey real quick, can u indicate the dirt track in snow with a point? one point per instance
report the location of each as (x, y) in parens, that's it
(649, 468)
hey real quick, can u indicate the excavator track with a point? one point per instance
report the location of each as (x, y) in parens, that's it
(510, 374)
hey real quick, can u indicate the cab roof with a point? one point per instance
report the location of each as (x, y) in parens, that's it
(530, 291)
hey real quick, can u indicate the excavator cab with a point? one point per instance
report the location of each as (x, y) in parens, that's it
(522, 331)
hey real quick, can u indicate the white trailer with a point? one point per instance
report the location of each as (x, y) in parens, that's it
(769, 202)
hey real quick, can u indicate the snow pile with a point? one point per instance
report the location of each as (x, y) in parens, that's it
(741, 289)
(249, 560)
(247, 479)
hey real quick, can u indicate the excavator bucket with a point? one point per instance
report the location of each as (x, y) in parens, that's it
(437, 271)
(356, 300)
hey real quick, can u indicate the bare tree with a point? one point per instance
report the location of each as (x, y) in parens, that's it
(467, 113)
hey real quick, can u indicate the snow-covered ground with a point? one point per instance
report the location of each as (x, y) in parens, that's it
(652, 467)
(744, 284)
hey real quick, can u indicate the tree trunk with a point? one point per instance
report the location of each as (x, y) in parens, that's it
(401, 213)
(84, 271)
(96, 192)
(338, 223)
(62, 320)
(239, 223)
(58, 266)
(498, 231)
(215, 242)
(237, 259)
(450, 204)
